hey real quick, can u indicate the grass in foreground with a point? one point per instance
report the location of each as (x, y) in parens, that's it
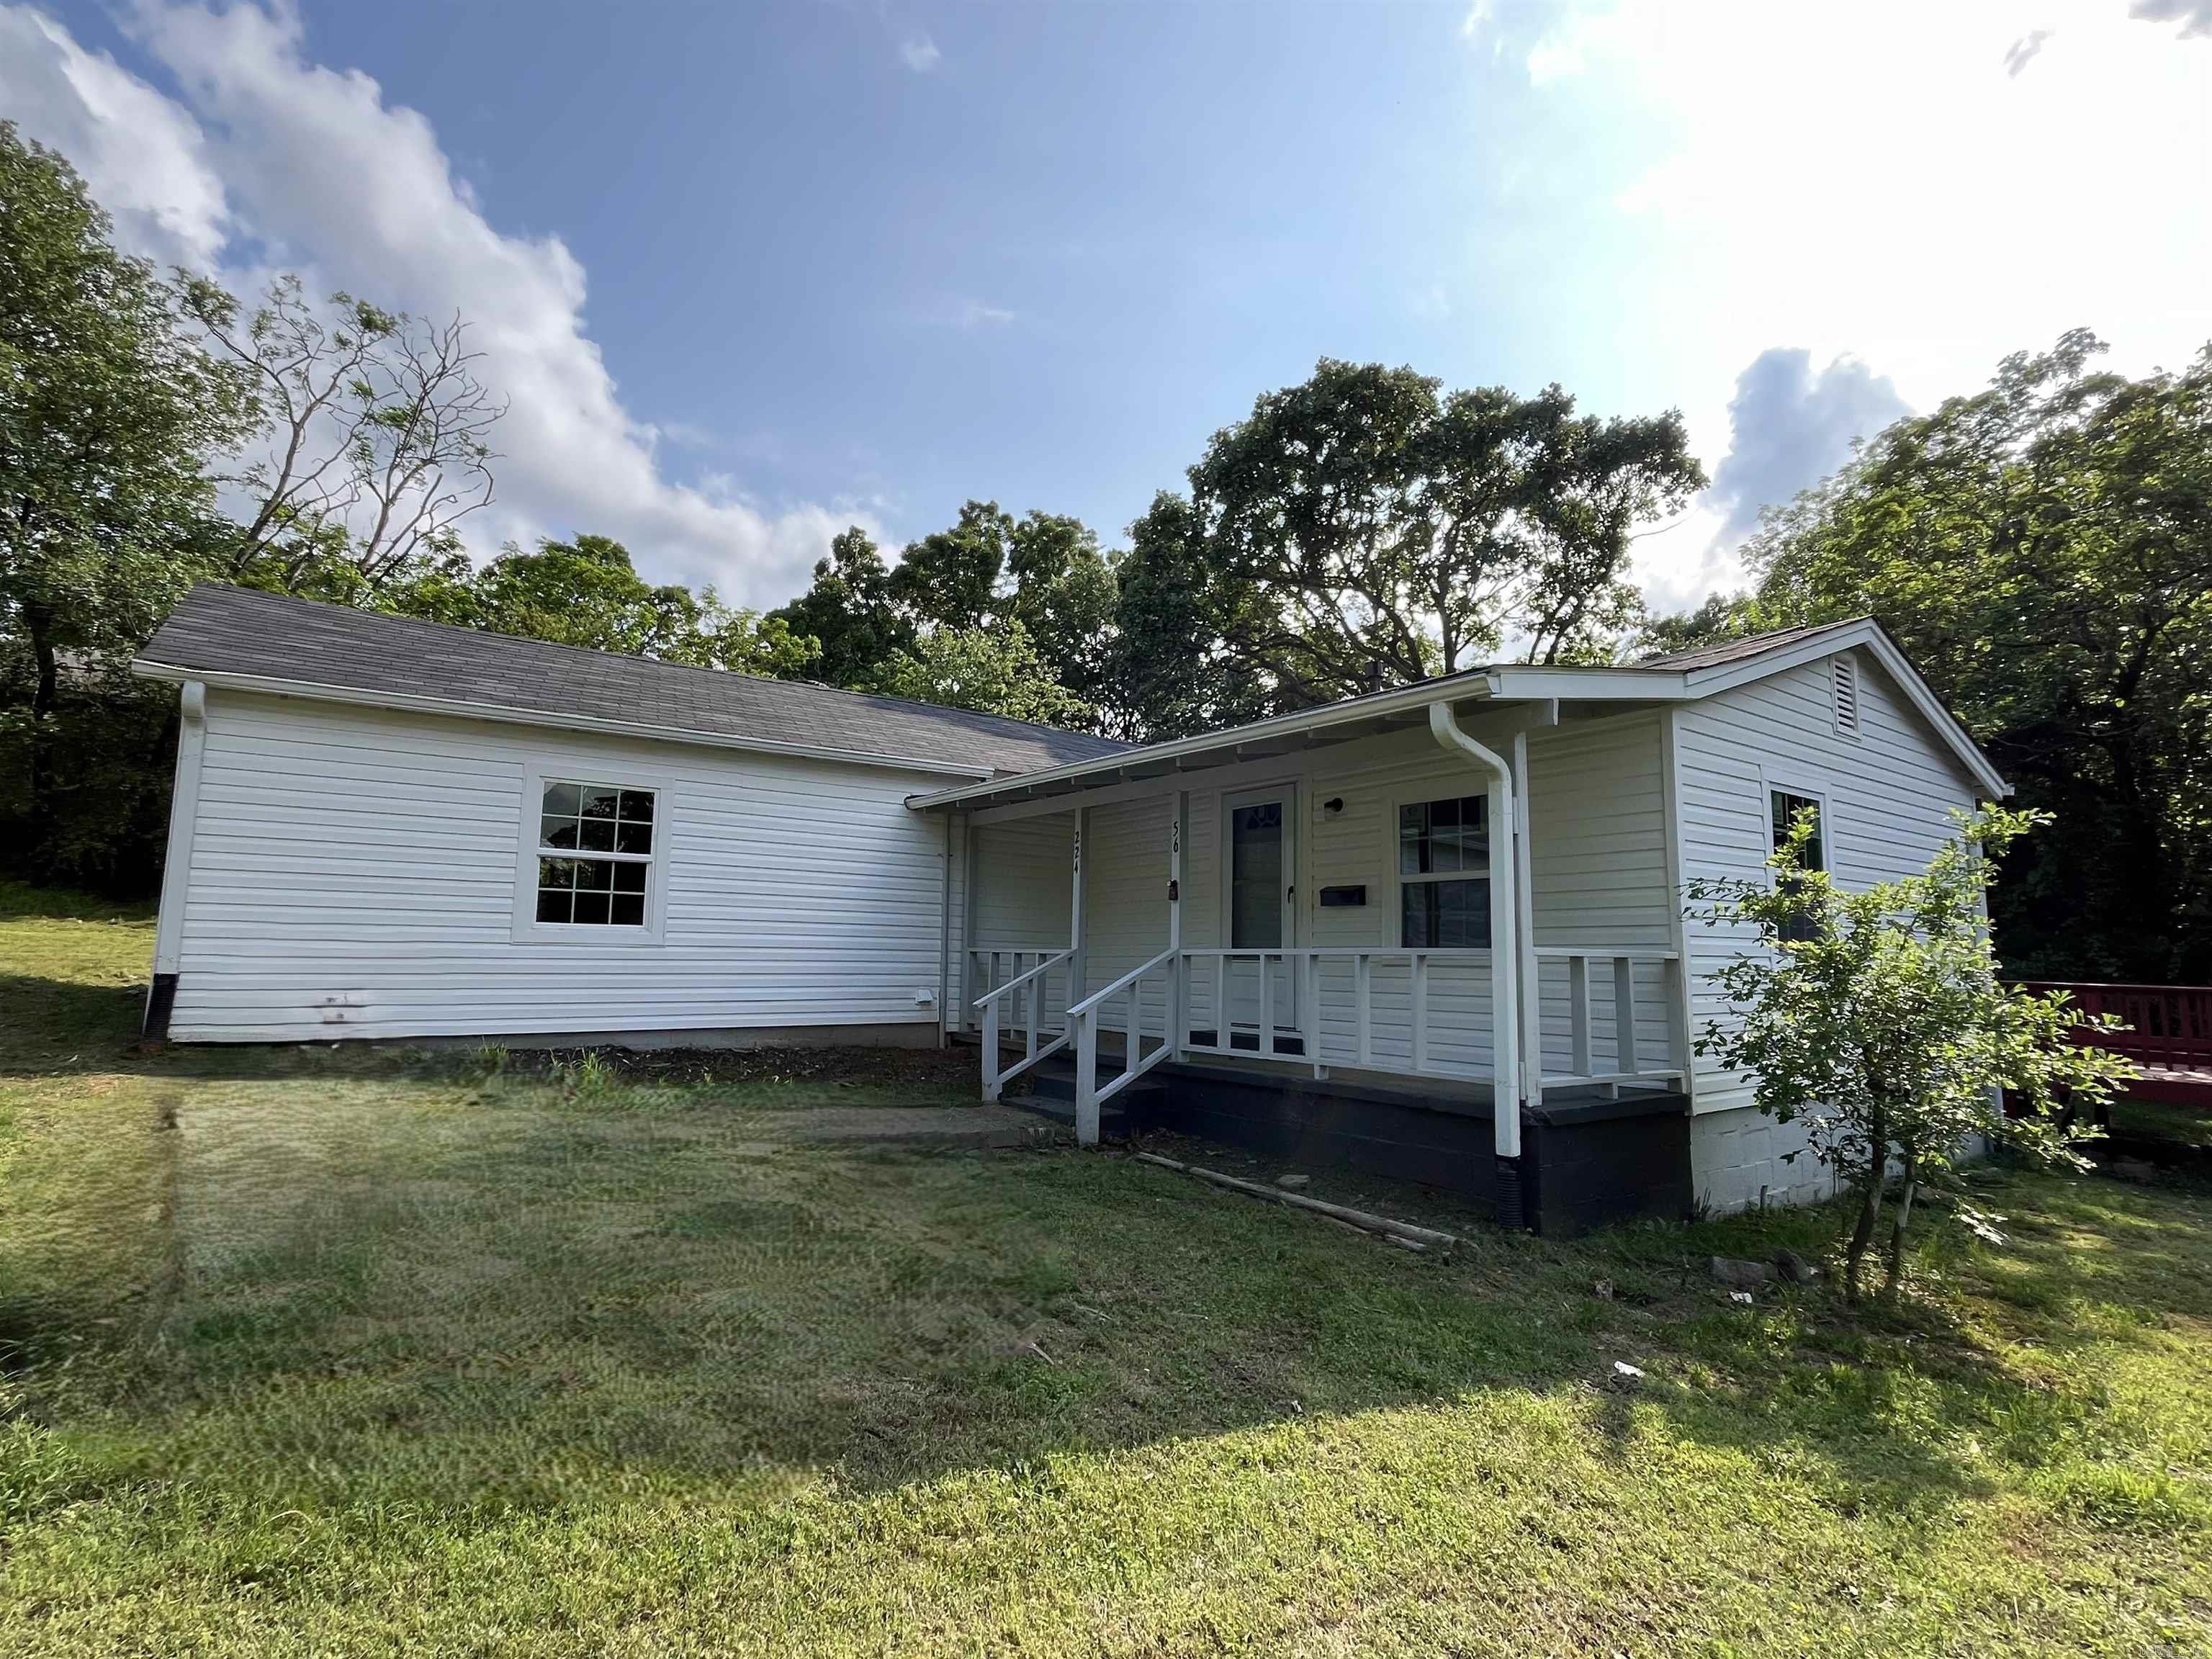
(345, 1352)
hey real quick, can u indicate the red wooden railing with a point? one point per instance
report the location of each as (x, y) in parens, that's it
(2169, 1033)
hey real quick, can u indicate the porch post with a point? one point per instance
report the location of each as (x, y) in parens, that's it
(945, 940)
(970, 915)
(1077, 924)
(1178, 997)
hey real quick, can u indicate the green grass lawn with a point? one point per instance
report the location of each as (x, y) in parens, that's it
(2158, 1120)
(307, 1351)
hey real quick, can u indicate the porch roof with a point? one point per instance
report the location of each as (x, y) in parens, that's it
(1683, 677)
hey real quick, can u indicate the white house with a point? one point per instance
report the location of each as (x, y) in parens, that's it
(1343, 933)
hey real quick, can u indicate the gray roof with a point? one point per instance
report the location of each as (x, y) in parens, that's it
(219, 629)
(1712, 656)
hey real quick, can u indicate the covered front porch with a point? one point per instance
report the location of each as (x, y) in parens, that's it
(1420, 906)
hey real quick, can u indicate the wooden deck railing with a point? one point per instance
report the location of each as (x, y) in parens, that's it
(2167, 1025)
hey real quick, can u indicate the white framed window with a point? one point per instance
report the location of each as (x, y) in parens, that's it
(1784, 801)
(592, 867)
(1443, 853)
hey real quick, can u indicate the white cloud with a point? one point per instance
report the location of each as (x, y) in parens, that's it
(2022, 51)
(919, 53)
(2195, 17)
(1789, 426)
(1870, 178)
(141, 155)
(974, 313)
(273, 159)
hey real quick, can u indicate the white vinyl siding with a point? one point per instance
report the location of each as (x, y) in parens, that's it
(1028, 877)
(354, 873)
(1888, 789)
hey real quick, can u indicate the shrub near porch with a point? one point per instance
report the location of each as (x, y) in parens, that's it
(369, 1351)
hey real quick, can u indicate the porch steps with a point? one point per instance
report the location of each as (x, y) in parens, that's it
(1052, 1095)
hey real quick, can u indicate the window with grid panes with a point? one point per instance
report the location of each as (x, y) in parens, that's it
(595, 855)
(1444, 874)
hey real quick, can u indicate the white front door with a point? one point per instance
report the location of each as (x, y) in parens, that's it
(1259, 901)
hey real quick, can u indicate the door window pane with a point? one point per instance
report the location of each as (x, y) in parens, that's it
(1255, 888)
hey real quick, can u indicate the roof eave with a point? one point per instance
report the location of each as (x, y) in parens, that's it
(1866, 632)
(318, 692)
(1474, 687)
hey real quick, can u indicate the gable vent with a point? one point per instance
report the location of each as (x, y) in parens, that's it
(1846, 670)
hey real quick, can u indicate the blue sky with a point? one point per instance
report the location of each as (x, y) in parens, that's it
(749, 273)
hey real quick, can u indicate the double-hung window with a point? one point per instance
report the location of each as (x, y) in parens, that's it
(1444, 874)
(1783, 806)
(595, 854)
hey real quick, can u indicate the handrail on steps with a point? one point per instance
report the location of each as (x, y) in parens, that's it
(1030, 986)
(1082, 1021)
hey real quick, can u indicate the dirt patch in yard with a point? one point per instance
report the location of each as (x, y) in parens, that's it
(923, 1077)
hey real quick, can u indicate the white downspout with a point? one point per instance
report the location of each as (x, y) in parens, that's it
(1504, 953)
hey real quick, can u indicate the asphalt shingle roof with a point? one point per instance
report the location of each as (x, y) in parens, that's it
(1712, 656)
(219, 629)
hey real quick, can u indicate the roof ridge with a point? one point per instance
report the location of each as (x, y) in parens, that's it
(1764, 637)
(875, 697)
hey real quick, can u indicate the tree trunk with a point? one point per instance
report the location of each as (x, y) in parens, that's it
(1895, 1276)
(1870, 1211)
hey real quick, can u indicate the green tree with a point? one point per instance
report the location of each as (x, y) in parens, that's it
(1722, 618)
(1169, 674)
(1877, 1018)
(586, 592)
(951, 578)
(1064, 594)
(2044, 551)
(370, 439)
(109, 411)
(1384, 533)
(996, 670)
(849, 613)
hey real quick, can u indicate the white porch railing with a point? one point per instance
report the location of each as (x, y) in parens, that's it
(1621, 1025)
(1020, 1003)
(1083, 1019)
(1419, 1013)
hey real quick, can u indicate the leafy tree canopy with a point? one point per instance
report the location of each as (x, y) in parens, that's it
(2043, 549)
(951, 578)
(996, 670)
(849, 611)
(109, 417)
(586, 592)
(1383, 533)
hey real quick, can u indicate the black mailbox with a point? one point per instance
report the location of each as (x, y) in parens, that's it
(1333, 896)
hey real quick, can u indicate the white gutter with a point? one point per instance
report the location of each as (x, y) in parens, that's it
(1504, 957)
(454, 708)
